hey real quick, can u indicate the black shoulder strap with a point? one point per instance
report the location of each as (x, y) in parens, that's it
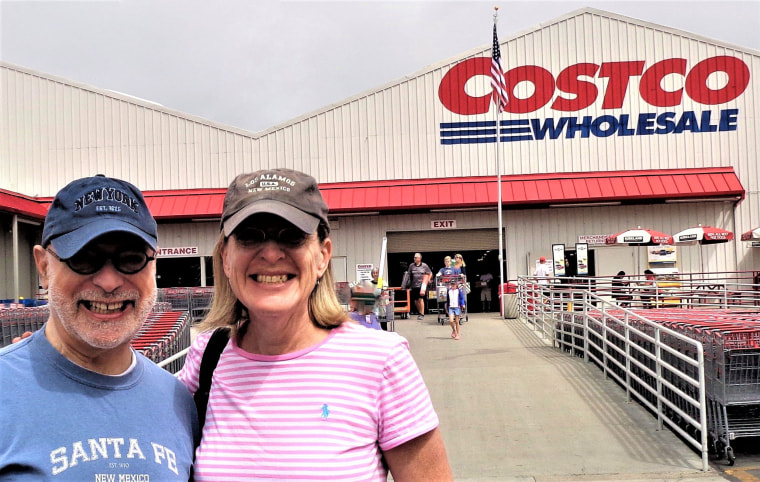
(211, 355)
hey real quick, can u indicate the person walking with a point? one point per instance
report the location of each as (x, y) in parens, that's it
(419, 275)
(103, 410)
(300, 392)
(460, 265)
(456, 303)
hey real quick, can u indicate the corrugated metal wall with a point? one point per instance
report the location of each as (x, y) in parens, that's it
(530, 233)
(527, 238)
(69, 130)
(201, 235)
(53, 130)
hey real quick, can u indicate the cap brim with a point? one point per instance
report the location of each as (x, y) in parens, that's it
(69, 244)
(303, 221)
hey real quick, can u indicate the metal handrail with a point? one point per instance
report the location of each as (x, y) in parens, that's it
(629, 348)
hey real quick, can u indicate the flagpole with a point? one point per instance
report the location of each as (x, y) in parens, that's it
(498, 182)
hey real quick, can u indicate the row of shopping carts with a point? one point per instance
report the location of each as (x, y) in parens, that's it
(15, 321)
(196, 301)
(163, 335)
(731, 346)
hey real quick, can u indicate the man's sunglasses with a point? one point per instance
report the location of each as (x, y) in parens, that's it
(289, 237)
(89, 262)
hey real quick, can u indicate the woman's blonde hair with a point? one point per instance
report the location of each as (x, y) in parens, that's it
(460, 257)
(226, 310)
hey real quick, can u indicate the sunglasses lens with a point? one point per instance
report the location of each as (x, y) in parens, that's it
(86, 262)
(248, 235)
(292, 237)
(130, 262)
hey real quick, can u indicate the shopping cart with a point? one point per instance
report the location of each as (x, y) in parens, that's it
(731, 342)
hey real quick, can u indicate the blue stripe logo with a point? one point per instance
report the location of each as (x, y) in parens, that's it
(484, 132)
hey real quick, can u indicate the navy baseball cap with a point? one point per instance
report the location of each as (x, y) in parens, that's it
(93, 206)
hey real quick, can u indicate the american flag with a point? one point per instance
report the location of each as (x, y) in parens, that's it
(498, 83)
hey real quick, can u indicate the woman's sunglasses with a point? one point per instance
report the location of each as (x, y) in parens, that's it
(290, 237)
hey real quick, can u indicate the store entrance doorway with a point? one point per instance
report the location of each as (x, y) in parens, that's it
(183, 272)
(477, 262)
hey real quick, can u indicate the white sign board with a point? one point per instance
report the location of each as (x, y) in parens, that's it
(581, 258)
(558, 251)
(594, 239)
(363, 272)
(443, 224)
(177, 252)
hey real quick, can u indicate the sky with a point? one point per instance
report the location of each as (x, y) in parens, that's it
(257, 64)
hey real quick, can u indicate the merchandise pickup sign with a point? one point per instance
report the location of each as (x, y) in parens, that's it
(592, 239)
(177, 252)
(443, 224)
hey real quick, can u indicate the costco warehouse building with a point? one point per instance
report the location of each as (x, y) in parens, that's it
(612, 123)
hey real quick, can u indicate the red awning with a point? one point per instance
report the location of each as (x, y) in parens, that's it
(14, 203)
(186, 204)
(534, 190)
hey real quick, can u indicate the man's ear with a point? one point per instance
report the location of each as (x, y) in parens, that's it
(42, 262)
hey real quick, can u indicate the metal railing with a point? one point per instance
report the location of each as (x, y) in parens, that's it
(657, 366)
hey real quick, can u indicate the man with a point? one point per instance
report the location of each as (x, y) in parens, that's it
(419, 275)
(649, 289)
(485, 291)
(77, 402)
(542, 271)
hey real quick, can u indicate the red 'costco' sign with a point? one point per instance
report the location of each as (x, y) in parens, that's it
(575, 89)
(576, 94)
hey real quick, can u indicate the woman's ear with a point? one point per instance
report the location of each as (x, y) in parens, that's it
(325, 251)
(225, 261)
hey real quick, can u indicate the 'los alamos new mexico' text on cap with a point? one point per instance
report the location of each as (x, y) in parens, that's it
(90, 207)
(292, 195)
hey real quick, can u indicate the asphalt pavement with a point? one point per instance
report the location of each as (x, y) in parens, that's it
(513, 408)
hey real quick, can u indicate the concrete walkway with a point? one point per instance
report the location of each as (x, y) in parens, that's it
(513, 408)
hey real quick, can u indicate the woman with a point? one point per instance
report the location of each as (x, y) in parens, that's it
(299, 392)
(460, 264)
(462, 267)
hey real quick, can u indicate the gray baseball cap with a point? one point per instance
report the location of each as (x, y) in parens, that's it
(292, 195)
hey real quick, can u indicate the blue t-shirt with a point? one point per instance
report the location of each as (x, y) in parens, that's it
(63, 422)
(451, 270)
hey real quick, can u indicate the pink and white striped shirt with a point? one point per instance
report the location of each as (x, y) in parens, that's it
(324, 413)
